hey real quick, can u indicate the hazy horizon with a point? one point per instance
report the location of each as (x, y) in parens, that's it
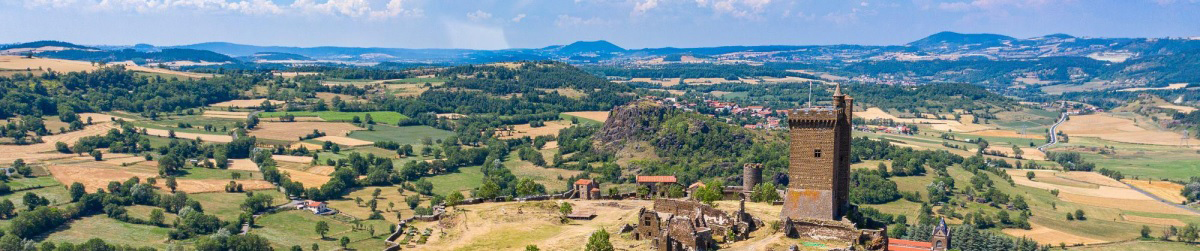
(630, 24)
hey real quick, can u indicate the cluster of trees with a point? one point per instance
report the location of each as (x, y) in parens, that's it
(733, 71)
(1071, 161)
(1191, 190)
(113, 88)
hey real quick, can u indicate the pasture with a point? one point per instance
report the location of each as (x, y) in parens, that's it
(390, 118)
(402, 135)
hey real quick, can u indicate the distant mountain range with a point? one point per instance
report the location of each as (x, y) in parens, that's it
(940, 46)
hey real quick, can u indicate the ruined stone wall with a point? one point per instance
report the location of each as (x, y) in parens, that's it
(687, 208)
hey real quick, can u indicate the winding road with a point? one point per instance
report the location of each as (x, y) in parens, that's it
(1053, 133)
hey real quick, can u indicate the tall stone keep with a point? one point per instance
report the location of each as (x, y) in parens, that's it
(819, 172)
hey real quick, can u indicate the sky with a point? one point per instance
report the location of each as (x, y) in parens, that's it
(501, 24)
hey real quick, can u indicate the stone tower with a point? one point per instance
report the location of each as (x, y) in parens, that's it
(819, 172)
(751, 176)
(941, 237)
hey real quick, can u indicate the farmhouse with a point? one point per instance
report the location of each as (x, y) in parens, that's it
(587, 189)
(317, 207)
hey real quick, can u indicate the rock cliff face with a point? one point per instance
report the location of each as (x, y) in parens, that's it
(670, 132)
(634, 122)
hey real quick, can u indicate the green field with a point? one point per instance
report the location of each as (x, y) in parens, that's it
(296, 227)
(112, 231)
(390, 118)
(200, 173)
(227, 206)
(582, 120)
(411, 135)
(465, 179)
(197, 122)
(1159, 162)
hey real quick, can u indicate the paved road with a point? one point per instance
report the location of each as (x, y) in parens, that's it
(1053, 133)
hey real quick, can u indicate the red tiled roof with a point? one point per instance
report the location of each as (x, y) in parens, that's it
(656, 179)
(583, 182)
(903, 248)
(313, 203)
(907, 245)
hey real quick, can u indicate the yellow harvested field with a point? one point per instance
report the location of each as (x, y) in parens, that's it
(292, 131)
(1123, 193)
(1045, 235)
(242, 164)
(1138, 205)
(99, 118)
(1026, 152)
(1184, 109)
(246, 103)
(306, 178)
(188, 135)
(94, 176)
(566, 92)
(1117, 129)
(59, 65)
(345, 141)
(321, 170)
(551, 128)
(1166, 190)
(41, 151)
(121, 160)
(1091, 177)
(450, 116)
(665, 82)
(601, 116)
(1007, 134)
(226, 115)
(293, 159)
(1152, 220)
(292, 74)
(936, 124)
(1169, 87)
(306, 145)
(328, 97)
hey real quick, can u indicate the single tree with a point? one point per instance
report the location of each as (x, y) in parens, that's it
(599, 242)
(322, 228)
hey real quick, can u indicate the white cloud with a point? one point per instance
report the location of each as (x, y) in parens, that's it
(518, 18)
(479, 15)
(737, 8)
(474, 36)
(642, 7)
(347, 8)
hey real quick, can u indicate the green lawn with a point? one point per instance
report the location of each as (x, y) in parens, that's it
(199, 173)
(44, 181)
(197, 122)
(297, 227)
(582, 120)
(112, 232)
(401, 134)
(390, 118)
(1159, 162)
(465, 179)
(227, 206)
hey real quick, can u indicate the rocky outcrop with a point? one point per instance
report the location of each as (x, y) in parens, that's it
(637, 121)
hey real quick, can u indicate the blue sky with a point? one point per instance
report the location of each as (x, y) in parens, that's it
(487, 24)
